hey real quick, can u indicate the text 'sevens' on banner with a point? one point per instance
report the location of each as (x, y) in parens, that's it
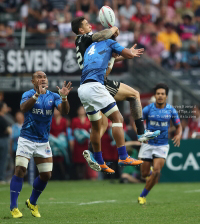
(51, 61)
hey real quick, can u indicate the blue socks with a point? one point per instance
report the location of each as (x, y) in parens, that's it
(122, 152)
(38, 187)
(15, 188)
(98, 157)
(144, 193)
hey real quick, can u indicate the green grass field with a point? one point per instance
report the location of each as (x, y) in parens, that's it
(105, 202)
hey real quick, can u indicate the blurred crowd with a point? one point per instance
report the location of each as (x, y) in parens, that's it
(169, 30)
(70, 137)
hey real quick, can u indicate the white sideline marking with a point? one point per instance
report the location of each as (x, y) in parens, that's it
(97, 202)
(192, 191)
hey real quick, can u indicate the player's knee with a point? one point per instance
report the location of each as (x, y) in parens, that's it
(156, 173)
(20, 171)
(118, 118)
(133, 95)
(45, 176)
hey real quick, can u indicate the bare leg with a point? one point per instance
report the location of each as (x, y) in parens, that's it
(95, 136)
(125, 92)
(154, 178)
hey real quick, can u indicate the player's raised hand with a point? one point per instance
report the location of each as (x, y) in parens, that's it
(136, 52)
(66, 88)
(176, 140)
(40, 88)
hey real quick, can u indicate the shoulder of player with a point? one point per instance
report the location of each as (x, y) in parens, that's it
(29, 92)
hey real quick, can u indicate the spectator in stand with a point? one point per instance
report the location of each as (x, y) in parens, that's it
(24, 10)
(126, 37)
(191, 58)
(167, 12)
(153, 10)
(155, 48)
(159, 25)
(169, 37)
(141, 16)
(5, 131)
(194, 123)
(16, 128)
(187, 30)
(172, 59)
(128, 10)
(65, 27)
(58, 126)
(85, 6)
(81, 125)
(144, 36)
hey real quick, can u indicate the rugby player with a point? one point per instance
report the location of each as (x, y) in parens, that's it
(38, 105)
(157, 116)
(119, 91)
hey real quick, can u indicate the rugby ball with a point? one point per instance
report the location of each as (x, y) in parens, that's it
(107, 17)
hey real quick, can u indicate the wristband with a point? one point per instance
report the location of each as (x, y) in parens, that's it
(63, 96)
(111, 62)
(35, 97)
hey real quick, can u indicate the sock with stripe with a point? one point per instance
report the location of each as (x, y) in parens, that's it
(15, 189)
(38, 186)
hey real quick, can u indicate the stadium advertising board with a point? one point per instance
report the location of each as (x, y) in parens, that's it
(51, 61)
(183, 163)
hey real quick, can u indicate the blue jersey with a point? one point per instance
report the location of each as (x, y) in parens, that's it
(38, 120)
(96, 59)
(159, 119)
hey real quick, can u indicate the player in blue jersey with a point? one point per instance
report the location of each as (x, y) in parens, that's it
(38, 105)
(95, 98)
(158, 116)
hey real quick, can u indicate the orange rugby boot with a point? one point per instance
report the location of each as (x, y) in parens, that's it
(106, 169)
(129, 162)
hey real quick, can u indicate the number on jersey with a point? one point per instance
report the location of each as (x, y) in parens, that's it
(92, 50)
(79, 58)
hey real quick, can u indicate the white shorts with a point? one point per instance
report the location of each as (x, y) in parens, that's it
(30, 149)
(94, 96)
(150, 151)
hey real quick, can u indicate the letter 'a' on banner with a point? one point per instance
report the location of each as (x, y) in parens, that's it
(183, 163)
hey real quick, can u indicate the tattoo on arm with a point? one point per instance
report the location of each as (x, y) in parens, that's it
(102, 35)
(136, 108)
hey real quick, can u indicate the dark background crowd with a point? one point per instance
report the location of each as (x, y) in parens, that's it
(169, 30)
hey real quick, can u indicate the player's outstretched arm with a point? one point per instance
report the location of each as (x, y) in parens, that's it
(135, 52)
(177, 138)
(27, 105)
(64, 107)
(105, 34)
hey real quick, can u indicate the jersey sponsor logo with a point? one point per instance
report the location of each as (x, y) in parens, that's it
(48, 112)
(40, 111)
(37, 111)
(158, 124)
(50, 102)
